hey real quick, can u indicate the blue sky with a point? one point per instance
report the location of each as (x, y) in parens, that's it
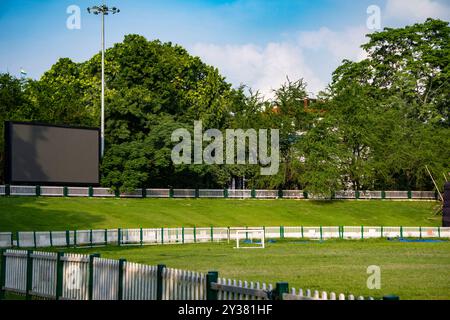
(254, 42)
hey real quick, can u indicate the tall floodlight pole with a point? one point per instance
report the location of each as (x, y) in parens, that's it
(103, 10)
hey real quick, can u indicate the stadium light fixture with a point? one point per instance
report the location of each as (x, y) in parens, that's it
(103, 10)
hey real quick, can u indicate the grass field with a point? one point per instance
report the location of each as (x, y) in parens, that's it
(23, 214)
(410, 270)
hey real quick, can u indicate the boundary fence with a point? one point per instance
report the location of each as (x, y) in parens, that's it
(155, 236)
(50, 191)
(66, 276)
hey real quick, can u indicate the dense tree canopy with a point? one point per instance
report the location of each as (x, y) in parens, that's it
(380, 121)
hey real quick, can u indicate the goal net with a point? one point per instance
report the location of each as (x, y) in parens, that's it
(250, 239)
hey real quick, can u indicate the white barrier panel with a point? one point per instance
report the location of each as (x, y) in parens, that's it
(184, 193)
(2, 190)
(75, 277)
(237, 193)
(52, 191)
(43, 239)
(370, 195)
(211, 193)
(78, 192)
(112, 236)
(23, 190)
(132, 194)
(293, 194)
(266, 194)
(396, 194)
(139, 281)
(105, 279)
(25, 239)
(330, 232)
(103, 192)
(59, 238)
(6, 240)
(16, 271)
(344, 194)
(158, 193)
(44, 274)
(423, 195)
(183, 285)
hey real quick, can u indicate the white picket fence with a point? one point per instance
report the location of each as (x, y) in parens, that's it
(58, 191)
(319, 295)
(154, 236)
(51, 275)
(84, 277)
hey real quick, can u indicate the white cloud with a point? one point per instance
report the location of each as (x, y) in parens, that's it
(263, 68)
(340, 44)
(415, 10)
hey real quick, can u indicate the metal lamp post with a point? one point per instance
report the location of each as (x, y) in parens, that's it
(103, 10)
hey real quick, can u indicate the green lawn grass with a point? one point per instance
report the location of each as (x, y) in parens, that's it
(410, 270)
(44, 213)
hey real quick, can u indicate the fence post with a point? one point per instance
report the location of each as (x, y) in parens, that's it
(90, 237)
(362, 232)
(38, 190)
(225, 193)
(12, 240)
(211, 277)
(305, 194)
(159, 281)
(106, 237)
(420, 232)
(117, 193)
(212, 234)
(182, 234)
(302, 232)
(401, 232)
(409, 194)
(91, 274)
(383, 194)
(320, 233)
(51, 238)
(195, 235)
(253, 193)
(141, 236)
(120, 285)
(59, 275)
(2, 273)
(119, 236)
(144, 193)
(34, 239)
(197, 193)
(281, 232)
(65, 191)
(439, 232)
(280, 289)
(162, 235)
(357, 195)
(381, 231)
(91, 192)
(280, 194)
(18, 239)
(29, 283)
(170, 193)
(75, 238)
(7, 190)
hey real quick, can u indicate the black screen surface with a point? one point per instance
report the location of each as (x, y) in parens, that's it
(43, 154)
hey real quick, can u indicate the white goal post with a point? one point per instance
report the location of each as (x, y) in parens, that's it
(250, 235)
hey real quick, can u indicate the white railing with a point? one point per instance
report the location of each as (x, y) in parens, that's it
(210, 193)
(319, 295)
(149, 236)
(70, 276)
